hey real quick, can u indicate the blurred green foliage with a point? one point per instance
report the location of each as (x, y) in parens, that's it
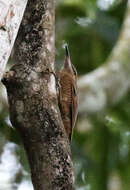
(90, 32)
(102, 153)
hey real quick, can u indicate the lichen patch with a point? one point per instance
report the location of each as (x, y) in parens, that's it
(52, 85)
(19, 106)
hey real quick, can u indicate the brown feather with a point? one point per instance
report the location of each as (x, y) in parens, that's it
(68, 96)
(68, 101)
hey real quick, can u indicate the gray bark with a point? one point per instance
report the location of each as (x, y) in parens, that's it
(33, 103)
(11, 13)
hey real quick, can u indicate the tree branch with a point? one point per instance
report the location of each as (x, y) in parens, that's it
(108, 84)
(11, 13)
(33, 100)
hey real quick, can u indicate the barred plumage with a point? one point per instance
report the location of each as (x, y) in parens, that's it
(68, 97)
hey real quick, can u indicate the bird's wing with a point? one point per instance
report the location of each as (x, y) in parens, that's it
(74, 108)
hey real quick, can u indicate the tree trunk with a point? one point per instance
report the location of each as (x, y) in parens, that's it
(33, 103)
(11, 13)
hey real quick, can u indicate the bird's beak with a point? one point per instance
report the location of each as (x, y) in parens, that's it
(68, 63)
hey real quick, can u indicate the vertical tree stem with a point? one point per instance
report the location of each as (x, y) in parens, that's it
(32, 98)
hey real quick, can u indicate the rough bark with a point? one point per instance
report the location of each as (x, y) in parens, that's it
(11, 13)
(32, 99)
(106, 85)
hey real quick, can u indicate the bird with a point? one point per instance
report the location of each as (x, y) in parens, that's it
(68, 95)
